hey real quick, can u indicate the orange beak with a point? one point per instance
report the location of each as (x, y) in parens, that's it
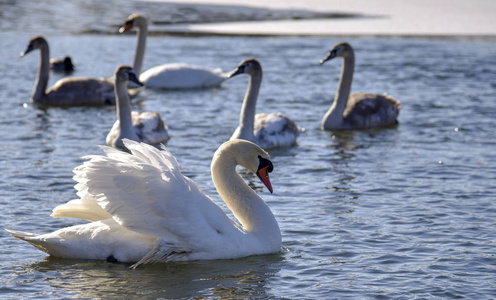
(263, 174)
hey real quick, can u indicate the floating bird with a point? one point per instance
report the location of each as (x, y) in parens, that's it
(357, 110)
(69, 91)
(266, 130)
(61, 64)
(145, 127)
(144, 210)
(173, 75)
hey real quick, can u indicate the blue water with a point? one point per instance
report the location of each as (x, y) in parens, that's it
(399, 213)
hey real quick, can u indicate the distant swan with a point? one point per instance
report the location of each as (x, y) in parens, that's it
(144, 210)
(61, 64)
(266, 130)
(169, 76)
(69, 91)
(145, 127)
(358, 110)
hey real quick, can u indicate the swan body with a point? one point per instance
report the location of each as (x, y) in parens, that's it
(357, 110)
(61, 64)
(182, 76)
(69, 91)
(145, 127)
(143, 209)
(266, 130)
(169, 76)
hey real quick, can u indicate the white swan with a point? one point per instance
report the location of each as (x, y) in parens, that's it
(69, 91)
(266, 130)
(145, 127)
(169, 76)
(358, 110)
(62, 64)
(144, 210)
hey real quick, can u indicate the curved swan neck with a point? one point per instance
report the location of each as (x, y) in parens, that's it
(250, 210)
(139, 54)
(43, 73)
(334, 115)
(123, 108)
(248, 110)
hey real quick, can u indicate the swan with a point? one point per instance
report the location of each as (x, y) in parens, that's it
(61, 64)
(69, 91)
(145, 127)
(266, 130)
(173, 75)
(357, 110)
(73, 91)
(144, 210)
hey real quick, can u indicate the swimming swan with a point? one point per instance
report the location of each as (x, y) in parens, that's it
(145, 127)
(266, 130)
(358, 110)
(69, 91)
(61, 64)
(72, 91)
(168, 76)
(144, 210)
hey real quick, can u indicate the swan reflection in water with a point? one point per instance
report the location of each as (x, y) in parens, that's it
(240, 278)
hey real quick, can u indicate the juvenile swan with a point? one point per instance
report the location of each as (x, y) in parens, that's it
(144, 210)
(266, 130)
(145, 127)
(358, 110)
(169, 76)
(69, 91)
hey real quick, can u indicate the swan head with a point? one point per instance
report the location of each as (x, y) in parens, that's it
(248, 66)
(248, 155)
(342, 49)
(133, 20)
(126, 73)
(36, 42)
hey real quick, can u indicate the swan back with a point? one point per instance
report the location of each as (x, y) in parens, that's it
(182, 76)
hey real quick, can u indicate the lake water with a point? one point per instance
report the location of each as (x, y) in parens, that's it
(400, 213)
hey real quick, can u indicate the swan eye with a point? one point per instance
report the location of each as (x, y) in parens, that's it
(265, 163)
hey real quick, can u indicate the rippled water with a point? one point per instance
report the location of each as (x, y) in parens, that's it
(405, 212)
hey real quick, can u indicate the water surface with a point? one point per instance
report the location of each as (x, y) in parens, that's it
(403, 212)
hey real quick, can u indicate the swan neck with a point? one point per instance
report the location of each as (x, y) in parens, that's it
(345, 79)
(139, 54)
(123, 108)
(248, 109)
(250, 210)
(334, 116)
(41, 83)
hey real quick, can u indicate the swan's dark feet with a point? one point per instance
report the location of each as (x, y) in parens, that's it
(112, 259)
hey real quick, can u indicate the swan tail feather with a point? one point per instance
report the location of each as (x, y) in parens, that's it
(31, 238)
(20, 235)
